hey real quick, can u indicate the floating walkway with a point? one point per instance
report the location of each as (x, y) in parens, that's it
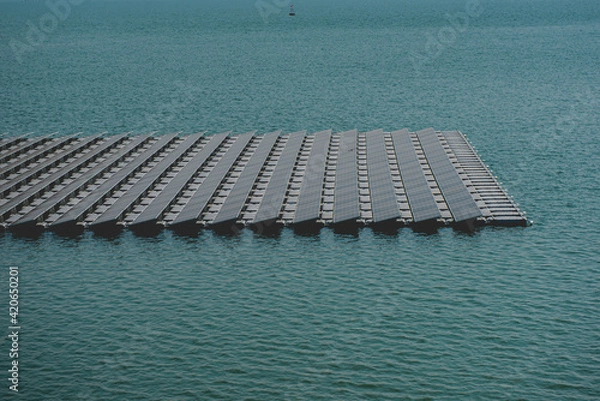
(425, 179)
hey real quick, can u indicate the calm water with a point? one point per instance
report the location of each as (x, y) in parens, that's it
(503, 314)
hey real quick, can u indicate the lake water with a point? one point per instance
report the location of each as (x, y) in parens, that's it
(502, 314)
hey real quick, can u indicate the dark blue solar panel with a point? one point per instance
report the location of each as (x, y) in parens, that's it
(35, 190)
(62, 154)
(233, 205)
(193, 209)
(383, 193)
(166, 197)
(70, 189)
(309, 201)
(104, 190)
(346, 202)
(457, 196)
(124, 203)
(272, 201)
(420, 198)
(13, 154)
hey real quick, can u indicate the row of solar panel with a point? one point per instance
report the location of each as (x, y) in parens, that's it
(495, 204)
(22, 161)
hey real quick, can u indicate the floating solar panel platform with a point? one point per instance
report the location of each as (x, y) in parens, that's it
(303, 180)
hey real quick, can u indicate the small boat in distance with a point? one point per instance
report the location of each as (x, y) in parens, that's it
(292, 12)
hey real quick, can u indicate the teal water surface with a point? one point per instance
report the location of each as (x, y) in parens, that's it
(502, 314)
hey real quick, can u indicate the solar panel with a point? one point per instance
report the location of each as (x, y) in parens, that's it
(166, 197)
(25, 147)
(49, 146)
(33, 191)
(68, 191)
(44, 175)
(383, 193)
(53, 160)
(457, 196)
(234, 203)
(420, 198)
(309, 201)
(8, 146)
(346, 202)
(113, 182)
(193, 209)
(10, 142)
(276, 188)
(125, 202)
